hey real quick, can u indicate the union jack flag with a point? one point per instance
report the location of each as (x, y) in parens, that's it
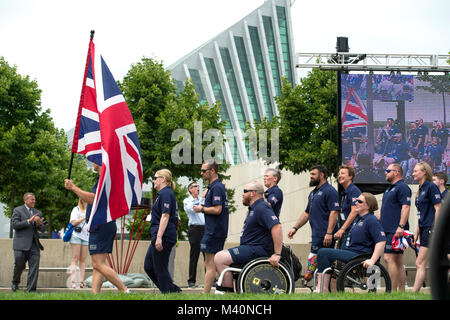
(120, 182)
(86, 138)
(355, 113)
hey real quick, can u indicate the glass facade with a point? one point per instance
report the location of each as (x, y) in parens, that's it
(284, 39)
(196, 80)
(259, 61)
(224, 115)
(255, 53)
(270, 39)
(245, 68)
(232, 83)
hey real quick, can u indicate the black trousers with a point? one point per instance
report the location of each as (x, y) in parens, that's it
(195, 235)
(156, 265)
(33, 257)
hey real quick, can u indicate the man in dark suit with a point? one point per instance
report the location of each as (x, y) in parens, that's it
(27, 221)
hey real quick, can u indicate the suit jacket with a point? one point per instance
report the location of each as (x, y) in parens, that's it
(25, 233)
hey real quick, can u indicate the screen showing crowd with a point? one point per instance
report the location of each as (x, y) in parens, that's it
(390, 118)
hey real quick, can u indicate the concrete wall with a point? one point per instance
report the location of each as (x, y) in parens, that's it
(295, 191)
(58, 254)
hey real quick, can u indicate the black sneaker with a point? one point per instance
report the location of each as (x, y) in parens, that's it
(191, 284)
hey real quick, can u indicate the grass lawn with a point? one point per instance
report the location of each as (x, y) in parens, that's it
(236, 297)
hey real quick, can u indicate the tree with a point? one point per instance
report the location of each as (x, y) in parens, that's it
(34, 155)
(159, 112)
(440, 85)
(307, 123)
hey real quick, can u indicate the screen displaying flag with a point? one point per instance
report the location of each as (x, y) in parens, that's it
(86, 139)
(355, 113)
(121, 179)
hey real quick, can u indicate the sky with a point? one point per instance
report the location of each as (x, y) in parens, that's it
(48, 39)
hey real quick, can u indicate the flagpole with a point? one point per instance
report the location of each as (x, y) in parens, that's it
(72, 156)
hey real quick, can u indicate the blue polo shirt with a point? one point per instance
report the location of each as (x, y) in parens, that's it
(429, 195)
(165, 203)
(443, 194)
(274, 196)
(397, 195)
(217, 225)
(349, 197)
(365, 233)
(258, 225)
(320, 203)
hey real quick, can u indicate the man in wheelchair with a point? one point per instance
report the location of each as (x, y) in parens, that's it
(365, 237)
(261, 236)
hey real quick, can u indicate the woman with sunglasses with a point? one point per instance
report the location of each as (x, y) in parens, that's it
(365, 237)
(163, 228)
(428, 203)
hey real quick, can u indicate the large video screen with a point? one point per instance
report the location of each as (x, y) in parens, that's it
(387, 118)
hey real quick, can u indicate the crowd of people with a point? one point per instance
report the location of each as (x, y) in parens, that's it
(341, 228)
(419, 144)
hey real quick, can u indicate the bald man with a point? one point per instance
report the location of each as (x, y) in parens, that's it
(261, 235)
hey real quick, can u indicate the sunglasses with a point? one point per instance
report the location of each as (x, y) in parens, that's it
(194, 186)
(248, 190)
(156, 178)
(359, 201)
(389, 170)
(204, 170)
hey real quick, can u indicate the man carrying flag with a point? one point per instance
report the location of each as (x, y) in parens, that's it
(120, 182)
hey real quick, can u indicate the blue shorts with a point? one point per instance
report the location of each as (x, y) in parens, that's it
(317, 243)
(424, 236)
(209, 244)
(102, 239)
(243, 254)
(388, 246)
(77, 240)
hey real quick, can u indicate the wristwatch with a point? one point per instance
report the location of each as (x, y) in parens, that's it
(401, 226)
(202, 210)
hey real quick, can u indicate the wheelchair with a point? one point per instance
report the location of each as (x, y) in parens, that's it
(353, 276)
(259, 276)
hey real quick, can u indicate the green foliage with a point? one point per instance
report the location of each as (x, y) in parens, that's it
(307, 123)
(158, 111)
(34, 156)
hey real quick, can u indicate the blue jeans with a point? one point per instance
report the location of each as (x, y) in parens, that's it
(326, 256)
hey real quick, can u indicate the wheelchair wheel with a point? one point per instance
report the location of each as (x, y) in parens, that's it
(259, 276)
(357, 278)
(440, 255)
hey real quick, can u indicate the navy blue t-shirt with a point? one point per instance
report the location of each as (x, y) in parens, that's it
(397, 195)
(274, 196)
(365, 233)
(320, 203)
(257, 226)
(217, 225)
(349, 197)
(165, 203)
(429, 195)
